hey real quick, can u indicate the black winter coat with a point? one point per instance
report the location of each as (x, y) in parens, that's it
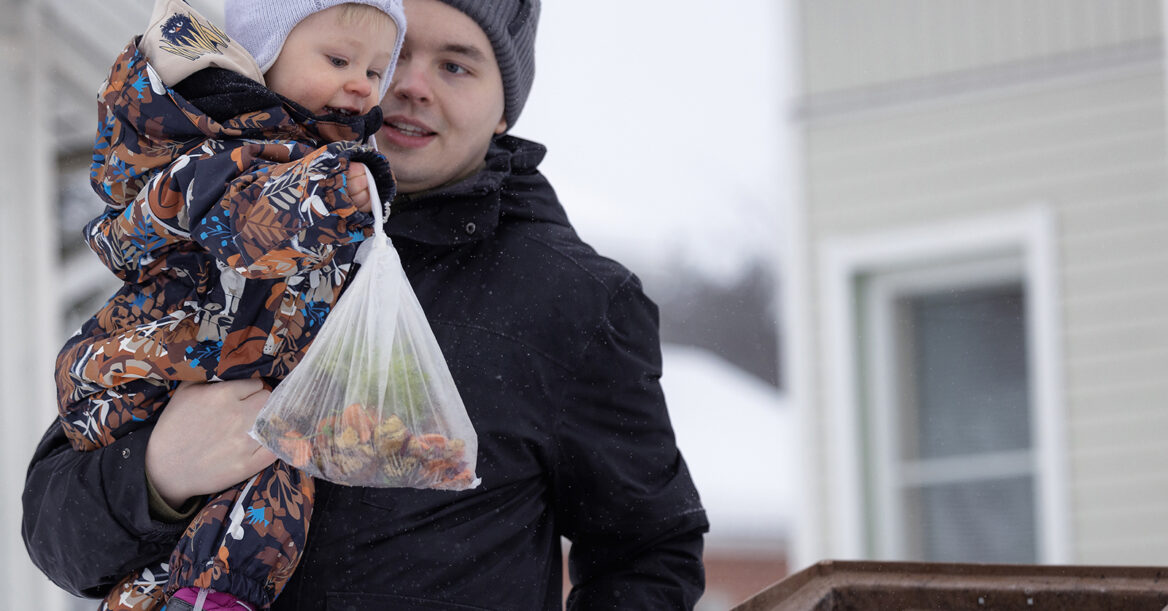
(556, 354)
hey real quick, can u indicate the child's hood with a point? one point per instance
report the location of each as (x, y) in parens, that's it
(179, 42)
(145, 125)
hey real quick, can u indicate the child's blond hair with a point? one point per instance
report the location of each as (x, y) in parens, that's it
(355, 12)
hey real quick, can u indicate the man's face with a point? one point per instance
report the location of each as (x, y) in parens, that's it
(328, 65)
(446, 99)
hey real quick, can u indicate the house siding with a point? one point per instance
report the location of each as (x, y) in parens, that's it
(1088, 144)
(866, 43)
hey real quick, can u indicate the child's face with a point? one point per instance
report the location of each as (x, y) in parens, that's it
(330, 64)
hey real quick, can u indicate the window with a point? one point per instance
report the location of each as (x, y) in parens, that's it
(953, 469)
(942, 392)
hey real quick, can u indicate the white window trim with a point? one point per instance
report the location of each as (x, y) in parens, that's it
(843, 260)
(890, 476)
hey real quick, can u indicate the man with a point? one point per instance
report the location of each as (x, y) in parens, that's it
(554, 350)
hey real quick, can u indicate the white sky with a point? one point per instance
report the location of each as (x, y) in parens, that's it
(664, 124)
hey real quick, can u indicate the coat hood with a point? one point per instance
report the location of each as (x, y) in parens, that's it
(180, 41)
(471, 209)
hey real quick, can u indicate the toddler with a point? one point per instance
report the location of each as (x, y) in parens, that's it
(233, 169)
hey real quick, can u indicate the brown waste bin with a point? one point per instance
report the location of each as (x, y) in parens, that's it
(915, 586)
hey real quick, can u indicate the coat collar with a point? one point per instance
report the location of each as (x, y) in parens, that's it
(245, 108)
(508, 185)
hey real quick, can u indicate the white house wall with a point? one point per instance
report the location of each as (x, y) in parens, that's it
(865, 43)
(28, 308)
(1087, 137)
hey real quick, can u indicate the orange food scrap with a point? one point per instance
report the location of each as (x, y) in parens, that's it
(357, 418)
(297, 448)
(434, 441)
(463, 479)
(356, 445)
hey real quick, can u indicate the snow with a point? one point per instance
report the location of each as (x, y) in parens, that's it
(737, 436)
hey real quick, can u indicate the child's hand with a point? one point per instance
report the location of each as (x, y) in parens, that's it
(358, 187)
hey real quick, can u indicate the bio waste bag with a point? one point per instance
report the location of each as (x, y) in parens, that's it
(372, 402)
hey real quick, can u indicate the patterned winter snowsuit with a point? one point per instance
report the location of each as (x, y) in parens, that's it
(228, 220)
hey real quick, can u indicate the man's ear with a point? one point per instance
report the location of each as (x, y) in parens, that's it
(502, 126)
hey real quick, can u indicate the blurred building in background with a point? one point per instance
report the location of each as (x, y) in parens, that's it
(978, 307)
(28, 313)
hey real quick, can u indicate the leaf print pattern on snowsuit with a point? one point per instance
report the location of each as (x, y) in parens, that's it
(233, 238)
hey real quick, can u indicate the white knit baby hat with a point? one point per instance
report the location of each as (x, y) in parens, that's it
(262, 26)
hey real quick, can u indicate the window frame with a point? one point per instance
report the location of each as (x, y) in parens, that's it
(889, 477)
(1026, 236)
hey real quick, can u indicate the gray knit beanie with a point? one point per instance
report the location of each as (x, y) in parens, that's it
(262, 26)
(510, 26)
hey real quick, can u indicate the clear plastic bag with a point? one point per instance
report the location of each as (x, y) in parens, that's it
(372, 403)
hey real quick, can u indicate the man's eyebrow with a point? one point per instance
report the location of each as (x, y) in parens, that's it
(469, 51)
